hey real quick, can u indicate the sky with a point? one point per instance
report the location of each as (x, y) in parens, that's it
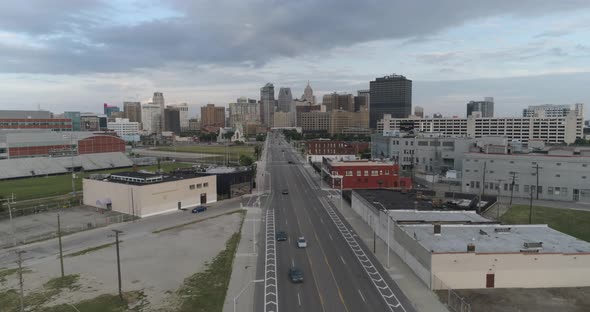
(76, 55)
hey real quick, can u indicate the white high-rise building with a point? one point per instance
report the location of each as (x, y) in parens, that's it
(150, 116)
(308, 94)
(183, 109)
(551, 110)
(158, 99)
(123, 127)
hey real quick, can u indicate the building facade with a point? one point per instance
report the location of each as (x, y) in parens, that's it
(341, 121)
(267, 104)
(132, 111)
(243, 111)
(285, 98)
(125, 129)
(150, 116)
(110, 109)
(551, 110)
(308, 95)
(550, 130)
(419, 111)
(172, 120)
(76, 120)
(158, 99)
(212, 116)
(485, 107)
(564, 174)
(337, 101)
(315, 122)
(329, 147)
(183, 115)
(389, 95)
(363, 174)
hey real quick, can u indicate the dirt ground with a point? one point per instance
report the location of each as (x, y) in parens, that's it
(155, 264)
(574, 299)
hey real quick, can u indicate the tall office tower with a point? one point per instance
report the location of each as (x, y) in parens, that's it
(150, 116)
(172, 117)
(419, 111)
(75, 117)
(243, 111)
(360, 104)
(285, 99)
(212, 116)
(158, 99)
(335, 101)
(308, 94)
(365, 93)
(267, 104)
(132, 111)
(389, 95)
(552, 110)
(183, 111)
(110, 109)
(485, 107)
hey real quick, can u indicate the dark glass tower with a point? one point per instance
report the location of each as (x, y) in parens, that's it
(389, 95)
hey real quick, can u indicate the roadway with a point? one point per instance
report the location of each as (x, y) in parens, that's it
(340, 272)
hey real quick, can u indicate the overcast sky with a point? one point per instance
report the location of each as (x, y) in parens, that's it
(77, 54)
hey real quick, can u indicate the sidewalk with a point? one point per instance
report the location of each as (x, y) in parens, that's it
(244, 266)
(421, 297)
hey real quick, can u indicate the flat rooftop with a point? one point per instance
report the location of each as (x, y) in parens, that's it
(393, 200)
(456, 237)
(146, 178)
(360, 163)
(434, 216)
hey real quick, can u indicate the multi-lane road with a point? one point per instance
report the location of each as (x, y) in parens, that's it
(340, 272)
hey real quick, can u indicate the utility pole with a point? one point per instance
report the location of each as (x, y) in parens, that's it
(536, 167)
(118, 262)
(20, 280)
(512, 186)
(483, 184)
(61, 255)
(12, 228)
(498, 199)
(531, 208)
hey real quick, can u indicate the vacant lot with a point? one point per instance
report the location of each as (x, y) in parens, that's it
(29, 188)
(182, 269)
(234, 151)
(569, 221)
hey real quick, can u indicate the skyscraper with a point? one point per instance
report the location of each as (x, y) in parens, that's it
(183, 109)
(109, 109)
(486, 107)
(389, 95)
(335, 101)
(172, 119)
(150, 116)
(267, 104)
(308, 94)
(132, 111)
(158, 99)
(212, 116)
(285, 100)
(419, 111)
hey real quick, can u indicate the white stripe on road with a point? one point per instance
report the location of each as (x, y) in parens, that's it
(342, 260)
(292, 262)
(330, 237)
(362, 297)
(298, 299)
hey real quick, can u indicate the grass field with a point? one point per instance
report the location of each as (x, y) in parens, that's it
(233, 151)
(46, 186)
(572, 222)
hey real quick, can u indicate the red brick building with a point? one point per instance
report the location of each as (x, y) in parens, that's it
(54, 124)
(329, 147)
(363, 174)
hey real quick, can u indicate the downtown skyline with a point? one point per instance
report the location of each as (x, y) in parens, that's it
(76, 56)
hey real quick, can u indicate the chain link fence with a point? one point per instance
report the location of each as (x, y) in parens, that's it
(448, 296)
(20, 211)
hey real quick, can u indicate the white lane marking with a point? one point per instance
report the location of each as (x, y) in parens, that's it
(298, 299)
(322, 220)
(342, 260)
(330, 237)
(292, 262)
(362, 297)
(286, 222)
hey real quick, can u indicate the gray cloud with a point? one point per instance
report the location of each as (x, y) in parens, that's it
(74, 40)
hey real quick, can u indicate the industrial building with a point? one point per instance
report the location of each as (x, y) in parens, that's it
(463, 250)
(42, 143)
(548, 129)
(147, 194)
(359, 174)
(17, 119)
(231, 181)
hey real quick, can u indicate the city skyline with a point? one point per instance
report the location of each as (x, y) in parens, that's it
(519, 53)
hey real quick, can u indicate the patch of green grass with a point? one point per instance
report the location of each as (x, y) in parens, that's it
(205, 291)
(104, 303)
(89, 250)
(569, 221)
(10, 299)
(68, 281)
(233, 150)
(6, 272)
(242, 211)
(46, 186)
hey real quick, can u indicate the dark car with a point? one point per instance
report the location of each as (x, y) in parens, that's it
(295, 275)
(281, 236)
(285, 192)
(199, 209)
(290, 161)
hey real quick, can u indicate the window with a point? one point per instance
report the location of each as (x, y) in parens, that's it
(526, 189)
(349, 173)
(516, 187)
(374, 173)
(206, 184)
(559, 164)
(386, 172)
(359, 173)
(477, 184)
(540, 189)
(466, 170)
(584, 165)
(557, 191)
(192, 187)
(491, 171)
(557, 175)
(505, 186)
(550, 190)
(199, 185)
(422, 143)
(366, 173)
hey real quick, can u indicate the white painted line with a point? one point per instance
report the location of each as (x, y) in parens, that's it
(298, 299)
(342, 260)
(362, 297)
(330, 237)
(322, 220)
(292, 263)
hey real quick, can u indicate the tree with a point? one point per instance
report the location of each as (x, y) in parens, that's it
(260, 137)
(228, 135)
(246, 160)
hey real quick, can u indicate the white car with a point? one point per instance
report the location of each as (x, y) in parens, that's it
(301, 242)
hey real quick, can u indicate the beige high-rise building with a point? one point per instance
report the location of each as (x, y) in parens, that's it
(315, 122)
(132, 111)
(335, 101)
(283, 119)
(158, 99)
(341, 120)
(212, 116)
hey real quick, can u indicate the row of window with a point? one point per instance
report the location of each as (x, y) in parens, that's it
(198, 186)
(551, 190)
(374, 173)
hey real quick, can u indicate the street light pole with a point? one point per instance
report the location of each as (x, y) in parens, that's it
(118, 262)
(244, 289)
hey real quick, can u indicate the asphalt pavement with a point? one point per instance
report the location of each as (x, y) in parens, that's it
(340, 272)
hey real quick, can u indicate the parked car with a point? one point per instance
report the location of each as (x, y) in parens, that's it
(290, 161)
(281, 236)
(301, 242)
(285, 191)
(295, 275)
(199, 209)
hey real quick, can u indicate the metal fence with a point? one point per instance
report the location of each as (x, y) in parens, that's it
(449, 296)
(37, 208)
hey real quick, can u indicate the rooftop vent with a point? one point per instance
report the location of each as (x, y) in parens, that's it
(533, 245)
(482, 232)
(502, 230)
(470, 247)
(437, 229)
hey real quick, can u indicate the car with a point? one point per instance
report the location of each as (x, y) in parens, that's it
(281, 236)
(295, 275)
(301, 242)
(290, 161)
(199, 209)
(285, 192)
